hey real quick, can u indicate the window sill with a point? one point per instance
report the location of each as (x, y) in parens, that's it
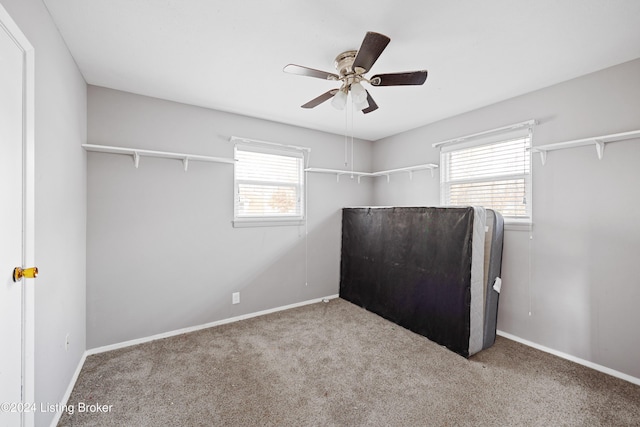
(264, 222)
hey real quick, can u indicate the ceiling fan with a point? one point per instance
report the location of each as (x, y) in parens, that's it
(352, 65)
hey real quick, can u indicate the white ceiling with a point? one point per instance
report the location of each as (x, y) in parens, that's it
(229, 55)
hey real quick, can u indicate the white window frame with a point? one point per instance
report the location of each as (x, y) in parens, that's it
(487, 138)
(262, 220)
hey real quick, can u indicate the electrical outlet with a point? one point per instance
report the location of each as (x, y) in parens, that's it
(235, 298)
(66, 342)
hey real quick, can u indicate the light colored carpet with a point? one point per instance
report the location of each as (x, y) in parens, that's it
(335, 364)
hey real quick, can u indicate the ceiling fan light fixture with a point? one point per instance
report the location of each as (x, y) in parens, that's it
(358, 93)
(361, 105)
(339, 100)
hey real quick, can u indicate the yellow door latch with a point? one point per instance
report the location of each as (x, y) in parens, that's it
(29, 273)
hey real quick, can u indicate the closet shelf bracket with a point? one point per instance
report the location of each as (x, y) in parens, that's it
(599, 148)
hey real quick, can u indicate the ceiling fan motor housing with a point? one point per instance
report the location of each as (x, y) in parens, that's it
(344, 66)
(344, 63)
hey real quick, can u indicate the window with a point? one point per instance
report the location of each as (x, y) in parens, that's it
(269, 185)
(496, 175)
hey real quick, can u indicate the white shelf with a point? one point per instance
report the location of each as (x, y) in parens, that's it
(410, 169)
(339, 172)
(597, 141)
(387, 173)
(137, 153)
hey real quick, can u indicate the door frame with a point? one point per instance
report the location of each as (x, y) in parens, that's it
(28, 210)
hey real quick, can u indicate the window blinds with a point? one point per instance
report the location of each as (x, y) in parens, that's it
(268, 182)
(493, 174)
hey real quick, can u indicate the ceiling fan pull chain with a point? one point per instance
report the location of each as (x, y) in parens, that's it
(346, 138)
(351, 108)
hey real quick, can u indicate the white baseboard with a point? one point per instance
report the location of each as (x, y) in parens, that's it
(67, 393)
(575, 359)
(124, 344)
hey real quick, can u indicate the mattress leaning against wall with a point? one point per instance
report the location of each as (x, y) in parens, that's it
(428, 269)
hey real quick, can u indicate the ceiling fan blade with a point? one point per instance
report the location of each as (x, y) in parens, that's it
(309, 72)
(371, 48)
(320, 99)
(399, 79)
(372, 104)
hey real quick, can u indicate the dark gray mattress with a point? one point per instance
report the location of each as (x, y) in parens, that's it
(428, 269)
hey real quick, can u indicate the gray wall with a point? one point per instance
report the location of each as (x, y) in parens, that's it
(161, 252)
(60, 204)
(583, 286)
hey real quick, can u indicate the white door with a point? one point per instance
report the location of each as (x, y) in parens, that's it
(13, 223)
